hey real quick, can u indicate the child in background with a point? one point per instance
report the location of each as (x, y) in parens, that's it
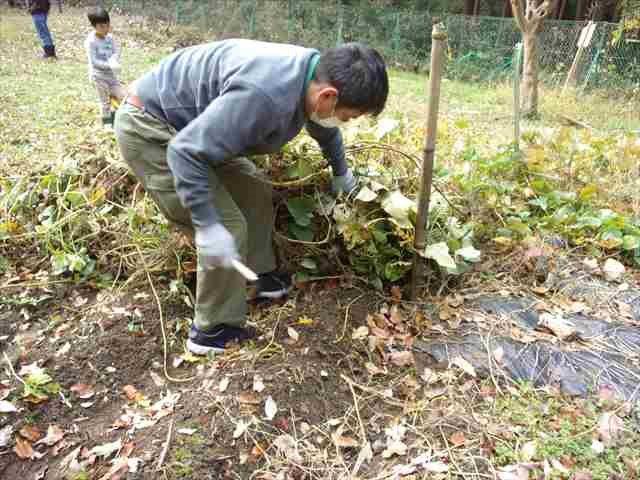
(104, 63)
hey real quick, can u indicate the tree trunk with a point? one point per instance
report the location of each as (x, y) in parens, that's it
(506, 9)
(562, 5)
(530, 75)
(476, 8)
(468, 7)
(581, 9)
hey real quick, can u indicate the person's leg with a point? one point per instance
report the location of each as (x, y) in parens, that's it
(254, 198)
(104, 96)
(40, 23)
(220, 293)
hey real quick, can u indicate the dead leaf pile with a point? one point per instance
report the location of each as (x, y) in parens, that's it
(388, 333)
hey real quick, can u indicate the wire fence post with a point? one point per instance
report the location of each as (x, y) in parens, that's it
(517, 69)
(396, 36)
(439, 38)
(340, 24)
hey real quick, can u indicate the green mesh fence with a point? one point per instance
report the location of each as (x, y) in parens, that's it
(479, 49)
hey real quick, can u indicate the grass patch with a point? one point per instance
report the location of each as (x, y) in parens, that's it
(561, 429)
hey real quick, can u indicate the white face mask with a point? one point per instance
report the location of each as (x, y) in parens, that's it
(329, 122)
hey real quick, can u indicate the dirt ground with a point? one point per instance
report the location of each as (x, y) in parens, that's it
(332, 388)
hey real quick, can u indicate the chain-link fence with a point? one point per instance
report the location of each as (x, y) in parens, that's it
(480, 48)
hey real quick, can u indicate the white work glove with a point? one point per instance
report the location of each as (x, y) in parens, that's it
(114, 65)
(343, 183)
(216, 246)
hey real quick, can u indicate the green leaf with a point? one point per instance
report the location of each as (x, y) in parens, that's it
(76, 263)
(59, 263)
(588, 221)
(588, 192)
(440, 253)
(38, 378)
(75, 199)
(301, 209)
(611, 239)
(469, 254)
(4, 264)
(366, 195)
(309, 263)
(541, 202)
(394, 271)
(399, 207)
(630, 242)
(301, 233)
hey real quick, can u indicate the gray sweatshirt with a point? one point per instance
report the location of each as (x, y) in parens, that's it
(227, 99)
(99, 51)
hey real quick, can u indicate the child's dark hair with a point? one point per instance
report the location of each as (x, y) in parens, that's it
(98, 15)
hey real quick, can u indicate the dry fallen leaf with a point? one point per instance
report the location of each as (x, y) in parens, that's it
(258, 384)
(435, 467)
(613, 269)
(513, 472)
(610, 427)
(394, 447)
(582, 475)
(270, 408)
(557, 465)
(396, 294)
(606, 393)
(498, 354)
(63, 350)
(224, 383)
(5, 435)
(4, 392)
(23, 449)
(463, 365)
(402, 359)
(287, 446)
(31, 433)
(157, 379)
(248, 398)
(373, 369)
(343, 441)
(241, 427)
(131, 392)
(528, 451)
(7, 407)
(360, 333)
(106, 449)
(54, 435)
(458, 439)
(83, 391)
(186, 431)
(293, 334)
(560, 327)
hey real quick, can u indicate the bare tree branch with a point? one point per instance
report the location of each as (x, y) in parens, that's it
(518, 13)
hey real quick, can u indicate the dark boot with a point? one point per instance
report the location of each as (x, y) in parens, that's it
(49, 51)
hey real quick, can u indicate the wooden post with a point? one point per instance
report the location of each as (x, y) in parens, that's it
(517, 71)
(439, 38)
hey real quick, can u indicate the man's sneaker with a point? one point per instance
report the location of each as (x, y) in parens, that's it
(273, 285)
(216, 341)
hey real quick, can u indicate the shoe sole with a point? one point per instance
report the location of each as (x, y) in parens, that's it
(202, 349)
(274, 295)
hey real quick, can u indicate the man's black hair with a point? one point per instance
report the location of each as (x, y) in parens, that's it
(358, 73)
(98, 15)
